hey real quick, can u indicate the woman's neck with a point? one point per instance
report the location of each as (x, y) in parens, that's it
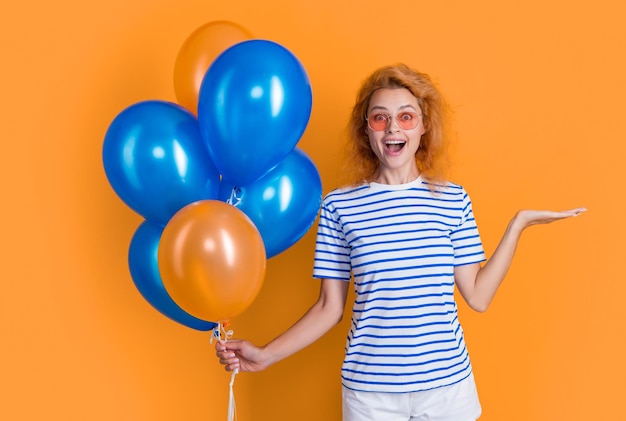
(389, 176)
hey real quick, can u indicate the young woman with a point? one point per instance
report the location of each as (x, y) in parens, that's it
(406, 237)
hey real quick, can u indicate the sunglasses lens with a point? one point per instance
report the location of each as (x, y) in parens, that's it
(378, 122)
(407, 120)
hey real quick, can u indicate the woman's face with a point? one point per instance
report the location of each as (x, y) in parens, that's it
(391, 116)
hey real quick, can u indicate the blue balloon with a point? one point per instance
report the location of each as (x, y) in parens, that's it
(283, 204)
(156, 160)
(254, 105)
(144, 270)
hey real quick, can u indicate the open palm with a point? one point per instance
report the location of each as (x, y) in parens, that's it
(530, 217)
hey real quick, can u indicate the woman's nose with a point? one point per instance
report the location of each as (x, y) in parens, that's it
(392, 125)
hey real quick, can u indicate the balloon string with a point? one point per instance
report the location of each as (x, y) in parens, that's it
(217, 334)
(231, 397)
(235, 196)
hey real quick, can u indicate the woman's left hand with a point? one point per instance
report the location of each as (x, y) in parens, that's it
(530, 217)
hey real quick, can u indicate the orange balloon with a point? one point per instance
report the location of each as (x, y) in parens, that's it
(199, 50)
(212, 260)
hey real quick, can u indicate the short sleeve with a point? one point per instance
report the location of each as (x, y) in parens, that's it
(468, 247)
(332, 252)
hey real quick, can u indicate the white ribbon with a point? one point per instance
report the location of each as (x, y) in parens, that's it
(231, 397)
(217, 334)
(235, 197)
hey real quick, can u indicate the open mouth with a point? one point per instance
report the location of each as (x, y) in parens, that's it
(395, 145)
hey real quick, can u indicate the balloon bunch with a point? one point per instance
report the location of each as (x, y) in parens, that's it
(217, 176)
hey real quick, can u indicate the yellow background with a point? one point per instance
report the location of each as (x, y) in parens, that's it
(538, 89)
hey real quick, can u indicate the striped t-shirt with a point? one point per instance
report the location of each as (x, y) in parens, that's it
(401, 244)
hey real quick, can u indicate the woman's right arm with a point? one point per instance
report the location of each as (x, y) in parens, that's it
(320, 318)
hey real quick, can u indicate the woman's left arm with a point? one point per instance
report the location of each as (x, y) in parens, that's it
(478, 285)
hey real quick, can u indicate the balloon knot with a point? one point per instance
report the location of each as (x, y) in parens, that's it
(221, 329)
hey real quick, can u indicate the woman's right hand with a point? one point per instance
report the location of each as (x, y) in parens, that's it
(240, 355)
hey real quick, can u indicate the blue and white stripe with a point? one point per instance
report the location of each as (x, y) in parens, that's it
(400, 243)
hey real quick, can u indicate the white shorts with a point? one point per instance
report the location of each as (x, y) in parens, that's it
(457, 402)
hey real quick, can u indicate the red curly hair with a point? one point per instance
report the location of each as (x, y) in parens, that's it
(361, 164)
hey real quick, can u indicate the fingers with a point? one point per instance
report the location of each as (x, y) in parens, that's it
(230, 364)
(223, 351)
(528, 217)
(227, 357)
(570, 213)
(234, 345)
(220, 346)
(232, 367)
(577, 211)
